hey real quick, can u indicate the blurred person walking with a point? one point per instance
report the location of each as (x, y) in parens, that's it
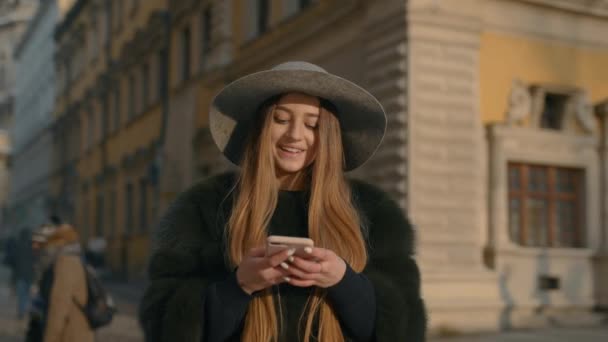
(10, 251)
(63, 290)
(24, 271)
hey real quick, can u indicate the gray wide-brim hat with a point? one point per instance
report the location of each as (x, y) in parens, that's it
(362, 118)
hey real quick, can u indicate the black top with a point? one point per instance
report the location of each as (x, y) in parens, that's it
(352, 298)
(193, 296)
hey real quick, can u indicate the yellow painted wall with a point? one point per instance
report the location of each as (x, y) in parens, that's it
(505, 57)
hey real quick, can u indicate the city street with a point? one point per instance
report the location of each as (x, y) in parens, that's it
(596, 334)
(124, 327)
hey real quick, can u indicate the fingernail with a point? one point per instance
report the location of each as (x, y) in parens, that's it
(308, 250)
(291, 258)
(291, 251)
(287, 279)
(284, 265)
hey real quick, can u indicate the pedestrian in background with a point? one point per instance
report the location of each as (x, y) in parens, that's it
(294, 130)
(63, 288)
(10, 253)
(24, 271)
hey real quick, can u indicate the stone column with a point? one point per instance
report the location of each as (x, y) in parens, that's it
(601, 260)
(447, 160)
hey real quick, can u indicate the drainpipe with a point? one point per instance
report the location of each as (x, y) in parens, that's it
(601, 111)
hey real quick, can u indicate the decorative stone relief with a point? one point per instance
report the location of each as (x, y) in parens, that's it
(520, 103)
(526, 105)
(583, 109)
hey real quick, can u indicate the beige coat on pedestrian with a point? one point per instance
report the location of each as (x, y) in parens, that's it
(65, 320)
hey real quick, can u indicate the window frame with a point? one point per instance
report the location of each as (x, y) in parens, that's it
(129, 206)
(145, 86)
(185, 53)
(206, 24)
(143, 205)
(552, 196)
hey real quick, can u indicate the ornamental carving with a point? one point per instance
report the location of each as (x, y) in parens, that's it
(583, 109)
(520, 103)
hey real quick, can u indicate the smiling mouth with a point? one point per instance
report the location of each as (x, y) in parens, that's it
(290, 150)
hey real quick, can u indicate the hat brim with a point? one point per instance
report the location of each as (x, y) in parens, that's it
(362, 118)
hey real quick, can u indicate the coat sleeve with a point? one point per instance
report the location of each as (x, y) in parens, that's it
(400, 314)
(186, 258)
(60, 300)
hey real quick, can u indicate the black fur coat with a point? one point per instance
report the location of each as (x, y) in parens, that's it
(188, 255)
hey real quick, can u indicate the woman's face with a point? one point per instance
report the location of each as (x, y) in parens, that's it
(293, 131)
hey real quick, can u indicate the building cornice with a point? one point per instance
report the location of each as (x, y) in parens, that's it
(597, 8)
(549, 23)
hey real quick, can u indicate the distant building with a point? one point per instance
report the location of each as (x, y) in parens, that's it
(14, 16)
(29, 203)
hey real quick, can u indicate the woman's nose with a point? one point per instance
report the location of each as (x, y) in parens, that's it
(295, 130)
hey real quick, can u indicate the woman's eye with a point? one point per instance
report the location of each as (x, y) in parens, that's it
(281, 121)
(311, 126)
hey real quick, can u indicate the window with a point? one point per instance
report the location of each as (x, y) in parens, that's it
(100, 215)
(129, 209)
(161, 74)
(304, 3)
(143, 205)
(104, 116)
(185, 54)
(258, 19)
(93, 40)
(145, 84)
(545, 206)
(91, 129)
(292, 7)
(133, 6)
(117, 10)
(112, 223)
(262, 19)
(116, 119)
(104, 26)
(206, 32)
(553, 111)
(131, 99)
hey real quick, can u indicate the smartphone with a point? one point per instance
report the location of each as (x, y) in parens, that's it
(277, 243)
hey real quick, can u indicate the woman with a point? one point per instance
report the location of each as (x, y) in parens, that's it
(293, 130)
(62, 286)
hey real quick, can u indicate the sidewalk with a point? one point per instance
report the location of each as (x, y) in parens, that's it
(124, 326)
(592, 334)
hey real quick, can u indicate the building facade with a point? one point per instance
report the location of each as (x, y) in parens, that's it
(496, 143)
(14, 16)
(29, 201)
(110, 64)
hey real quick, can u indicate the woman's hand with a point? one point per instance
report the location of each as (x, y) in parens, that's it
(322, 268)
(258, 271)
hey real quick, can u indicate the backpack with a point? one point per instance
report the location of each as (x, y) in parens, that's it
(99, 308)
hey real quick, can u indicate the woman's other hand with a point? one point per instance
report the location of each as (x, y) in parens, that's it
(258, 271)
(322, 267)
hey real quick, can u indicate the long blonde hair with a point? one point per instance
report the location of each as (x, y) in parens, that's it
(333, 222)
